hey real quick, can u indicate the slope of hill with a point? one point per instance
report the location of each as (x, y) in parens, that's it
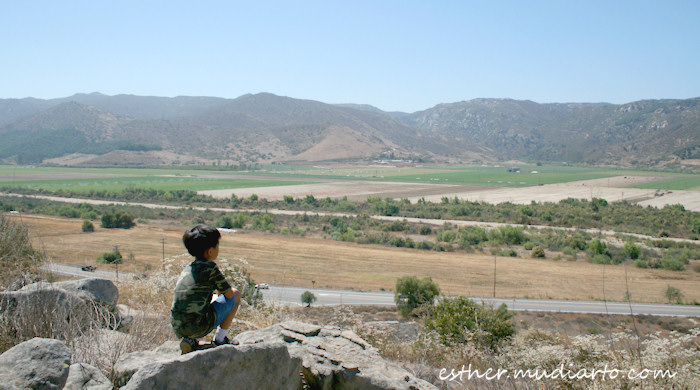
(646, 132)
(265, 127)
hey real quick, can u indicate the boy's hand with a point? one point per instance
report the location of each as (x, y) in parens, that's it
(229, 293)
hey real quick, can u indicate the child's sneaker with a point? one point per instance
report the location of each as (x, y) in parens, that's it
(225, 341)
(188, 345)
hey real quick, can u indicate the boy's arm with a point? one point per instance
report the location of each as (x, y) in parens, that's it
(228, 293)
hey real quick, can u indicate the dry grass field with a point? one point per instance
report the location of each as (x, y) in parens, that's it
(287, 260)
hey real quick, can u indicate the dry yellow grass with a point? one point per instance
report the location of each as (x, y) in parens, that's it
(289, 260)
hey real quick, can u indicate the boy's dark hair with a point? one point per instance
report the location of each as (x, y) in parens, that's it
(200, 238)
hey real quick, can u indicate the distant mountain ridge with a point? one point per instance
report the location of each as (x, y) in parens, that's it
(266, 127)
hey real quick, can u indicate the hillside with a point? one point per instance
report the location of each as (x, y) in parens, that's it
(265, 127)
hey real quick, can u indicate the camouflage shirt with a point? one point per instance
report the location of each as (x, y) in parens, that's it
(192, 314)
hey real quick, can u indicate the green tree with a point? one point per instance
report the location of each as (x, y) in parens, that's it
(117, 219)
(307, 297)
(460, 320)
(412, 293)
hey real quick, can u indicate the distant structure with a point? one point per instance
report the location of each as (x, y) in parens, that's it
(513, 169)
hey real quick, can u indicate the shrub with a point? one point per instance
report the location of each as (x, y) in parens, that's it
(446, 236)
(17, 257)
(537, 252)
(225, 222)
(633, 250)
(673, 295)
(472, 235)
(601, 259)
(307, 297)
(412, 293)
(597, 247)
(460, 320)
(639, 263)
(425, 230)
(672, 263)
(114, 257)
(88, 226)
(117, 219)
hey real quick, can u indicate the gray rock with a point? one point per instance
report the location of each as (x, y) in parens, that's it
(100, 290)
(130, 363)
(35, 364)
(334, 358)
(83, 376)
(258, 366)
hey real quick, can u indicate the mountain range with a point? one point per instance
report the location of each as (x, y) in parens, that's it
(128, 129)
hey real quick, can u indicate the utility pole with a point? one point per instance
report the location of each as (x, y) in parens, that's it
(162, 260)
(116, 261)
(494, 276)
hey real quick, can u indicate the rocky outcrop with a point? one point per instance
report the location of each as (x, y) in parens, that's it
(35, 364)
(335, 358)
(288, 355)
(262, 366)
(94, 289)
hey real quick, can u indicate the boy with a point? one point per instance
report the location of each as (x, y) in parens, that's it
(193, 314)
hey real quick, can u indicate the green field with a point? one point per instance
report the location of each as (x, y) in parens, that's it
(172, 178)
(529, 175)
(684, 182)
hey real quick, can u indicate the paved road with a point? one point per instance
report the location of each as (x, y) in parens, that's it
(292, 295)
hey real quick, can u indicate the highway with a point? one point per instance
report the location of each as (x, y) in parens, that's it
(292, 295)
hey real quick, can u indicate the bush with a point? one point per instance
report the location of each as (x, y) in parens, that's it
(114, 257)
(460, 320)
(633, 250)
(472, 235)
(17, 257)
(537, 252)
(225, 222)
(672, 263)
(446, 236)
(673, 295)
(117, 219)
(412, 293)
(88, 226)
(308, 298)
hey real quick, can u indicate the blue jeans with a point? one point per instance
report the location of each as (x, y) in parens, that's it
(222, 309)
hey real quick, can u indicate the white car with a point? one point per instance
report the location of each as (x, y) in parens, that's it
(262, 286)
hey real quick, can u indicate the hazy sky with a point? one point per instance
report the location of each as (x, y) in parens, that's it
(396, 55)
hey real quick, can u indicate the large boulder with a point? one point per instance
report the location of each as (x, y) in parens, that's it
(253, 366)
(83, 376)
(60, 309)
(35, 364)
(94, 289)
(334, 358)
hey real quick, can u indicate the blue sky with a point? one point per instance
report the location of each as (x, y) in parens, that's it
(396, 55)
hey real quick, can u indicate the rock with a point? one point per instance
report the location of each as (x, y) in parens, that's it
(335, 358)
(83, 376)
(35, 364)
(256, 366)
(128, 364)
(100, 290)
